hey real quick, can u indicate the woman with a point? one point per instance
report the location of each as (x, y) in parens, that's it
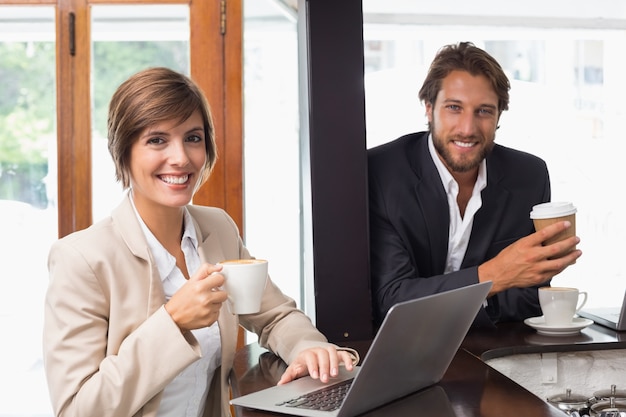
(135, 319)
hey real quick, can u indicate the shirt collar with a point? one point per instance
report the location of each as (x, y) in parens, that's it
(165, 261)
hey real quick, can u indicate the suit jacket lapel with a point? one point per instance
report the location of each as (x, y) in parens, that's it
(487, 219)
(435, 211)
(129, 228)
(209, 246)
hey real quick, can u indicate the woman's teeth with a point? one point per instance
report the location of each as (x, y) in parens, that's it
(170, 179)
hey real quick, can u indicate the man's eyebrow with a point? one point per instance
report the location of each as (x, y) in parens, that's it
(456, 100)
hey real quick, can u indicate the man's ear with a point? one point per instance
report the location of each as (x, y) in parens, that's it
(429, 111)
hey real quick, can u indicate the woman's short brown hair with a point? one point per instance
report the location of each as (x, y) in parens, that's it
(465, 57)
(152, 96)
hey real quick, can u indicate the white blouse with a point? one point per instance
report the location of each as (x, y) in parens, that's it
(186, 394)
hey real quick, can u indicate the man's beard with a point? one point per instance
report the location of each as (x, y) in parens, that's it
(463, 164)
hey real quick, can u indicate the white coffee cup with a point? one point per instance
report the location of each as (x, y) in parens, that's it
(560, 304)
(244, 282)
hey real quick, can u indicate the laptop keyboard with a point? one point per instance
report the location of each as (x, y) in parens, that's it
(325, 399)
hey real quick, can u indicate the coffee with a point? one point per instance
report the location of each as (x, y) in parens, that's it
(243, 261)
(560, 304)
(545, 214)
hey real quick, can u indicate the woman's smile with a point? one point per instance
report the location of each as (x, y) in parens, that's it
(174, 179)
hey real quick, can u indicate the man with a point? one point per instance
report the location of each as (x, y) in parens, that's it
(449, 207)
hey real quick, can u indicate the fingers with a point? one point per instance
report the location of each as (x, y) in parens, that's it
(550, 231)
(529, 261)
(198, 302)
(559, 260)
(347, 359)
(209, 279)
(547, 244)
(206, 270)
(320, 363)
(563, 248)
(293, 371)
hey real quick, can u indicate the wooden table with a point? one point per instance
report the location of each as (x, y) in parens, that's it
(470, 388)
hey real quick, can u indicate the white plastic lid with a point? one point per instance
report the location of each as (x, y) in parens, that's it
(552, 209)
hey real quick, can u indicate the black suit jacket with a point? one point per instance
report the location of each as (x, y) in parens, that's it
(409, 221)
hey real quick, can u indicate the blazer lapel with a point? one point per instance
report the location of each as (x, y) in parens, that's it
(128, 226)
(209, 246)
(487, 219)
(434, 209)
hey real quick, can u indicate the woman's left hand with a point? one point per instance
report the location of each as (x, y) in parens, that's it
(319, 362)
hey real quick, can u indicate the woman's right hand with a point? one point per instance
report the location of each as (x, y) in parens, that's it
(198, 302)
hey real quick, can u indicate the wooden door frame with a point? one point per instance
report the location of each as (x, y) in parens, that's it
(218, 71)
(73, 60)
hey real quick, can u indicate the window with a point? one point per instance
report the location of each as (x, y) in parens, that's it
(271, 142)
(28, 200)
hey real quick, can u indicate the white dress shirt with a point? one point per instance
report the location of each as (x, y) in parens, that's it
(186, 395)
(460, 227)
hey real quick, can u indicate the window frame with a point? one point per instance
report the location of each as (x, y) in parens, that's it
(216, 65)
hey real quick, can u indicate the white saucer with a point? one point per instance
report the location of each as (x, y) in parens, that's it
(539, 324)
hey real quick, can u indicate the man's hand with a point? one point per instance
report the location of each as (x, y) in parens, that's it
(319, 362)
(527, 262)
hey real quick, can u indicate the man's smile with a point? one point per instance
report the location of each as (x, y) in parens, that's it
(465, 144)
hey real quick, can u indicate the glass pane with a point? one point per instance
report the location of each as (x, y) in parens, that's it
(271, 141)
(127, 39)
(28, 196)
(566, 83)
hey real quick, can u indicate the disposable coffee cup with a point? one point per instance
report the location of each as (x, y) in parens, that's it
(545, 214)
(559, 305)
(244, 282)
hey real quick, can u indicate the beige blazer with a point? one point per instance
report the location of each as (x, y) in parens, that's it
(109, 345)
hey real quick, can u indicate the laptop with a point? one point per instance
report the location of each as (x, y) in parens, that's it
(611, 317)
(411, 351)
